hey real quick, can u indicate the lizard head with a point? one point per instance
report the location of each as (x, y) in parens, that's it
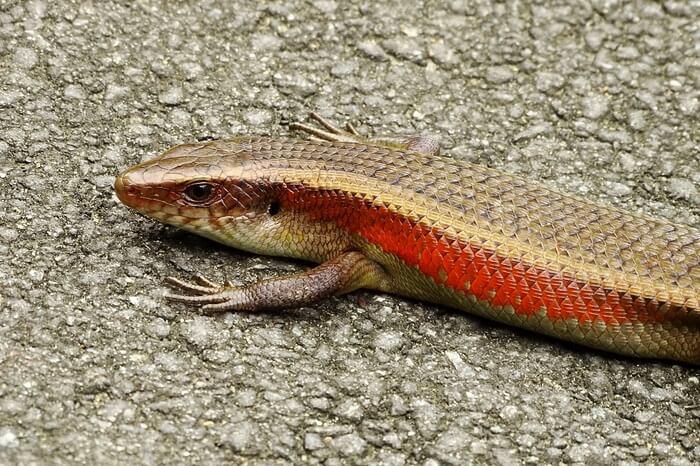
(212, 189)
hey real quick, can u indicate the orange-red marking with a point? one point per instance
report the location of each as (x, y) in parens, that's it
(470, 269)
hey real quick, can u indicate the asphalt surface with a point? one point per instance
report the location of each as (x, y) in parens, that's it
(597, 98)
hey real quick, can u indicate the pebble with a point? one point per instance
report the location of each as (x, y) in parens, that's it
(172, 96)
(499, 74)
(595, 106)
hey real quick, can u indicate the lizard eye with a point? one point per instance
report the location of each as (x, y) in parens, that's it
(199, 192)
(274, 208)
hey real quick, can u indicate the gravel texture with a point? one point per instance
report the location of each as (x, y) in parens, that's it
(598, 98)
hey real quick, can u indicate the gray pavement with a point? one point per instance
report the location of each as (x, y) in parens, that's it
(598, 98)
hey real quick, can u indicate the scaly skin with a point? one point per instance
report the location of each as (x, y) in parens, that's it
(392, 216)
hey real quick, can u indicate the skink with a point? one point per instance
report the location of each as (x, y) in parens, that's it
(393, 215)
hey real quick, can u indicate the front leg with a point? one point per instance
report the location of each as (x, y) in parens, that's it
(343, 274)
(417, 143)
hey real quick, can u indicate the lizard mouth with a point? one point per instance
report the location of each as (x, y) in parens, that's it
(124, 193)
(131, 194)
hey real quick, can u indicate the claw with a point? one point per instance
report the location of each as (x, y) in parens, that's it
(192, 287)
(204, 292)
(319, 133)
(351, 129)
(219, 307)
(203, 299)
(228, 299)
(204, 281)
(330, 133)
(325, 123)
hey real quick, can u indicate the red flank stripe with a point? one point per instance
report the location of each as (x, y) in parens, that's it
(470, 269)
